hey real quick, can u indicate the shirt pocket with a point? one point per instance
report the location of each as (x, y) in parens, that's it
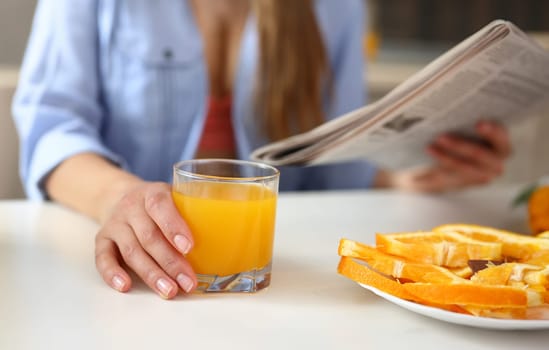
(154, 48)
(157, 34)
(157, 70)
(155, 82)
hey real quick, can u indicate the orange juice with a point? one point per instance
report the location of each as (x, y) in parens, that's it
(232, 225)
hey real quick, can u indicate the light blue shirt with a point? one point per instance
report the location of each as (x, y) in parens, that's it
(127, 80)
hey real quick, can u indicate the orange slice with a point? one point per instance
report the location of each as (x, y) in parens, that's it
(494, 275)
(442, 248)
(360, 273)
(376, 260)
(463, 272)
(515, 245)
(537, 278)
(531, 313)
(504, 313)
(392, 266)
(538, 210)
(435, 268)
(538, 313)
(363, 274)
(469, 294)
(540, 258)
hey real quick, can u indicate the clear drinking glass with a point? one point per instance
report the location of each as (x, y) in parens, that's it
(230, 207)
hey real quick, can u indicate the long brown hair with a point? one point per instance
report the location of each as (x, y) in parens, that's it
(293, 72)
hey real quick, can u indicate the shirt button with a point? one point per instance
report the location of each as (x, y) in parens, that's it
(168, 54)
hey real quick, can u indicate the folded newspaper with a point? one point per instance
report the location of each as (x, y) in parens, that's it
(498, 73)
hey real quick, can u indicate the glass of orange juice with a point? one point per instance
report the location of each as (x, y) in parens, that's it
(230, 207)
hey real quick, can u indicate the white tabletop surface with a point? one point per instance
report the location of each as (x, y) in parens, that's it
(51, 296)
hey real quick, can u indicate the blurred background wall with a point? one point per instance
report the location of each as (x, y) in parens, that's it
(402, 37)
(452, 20)
(15, 21)
(429, 27)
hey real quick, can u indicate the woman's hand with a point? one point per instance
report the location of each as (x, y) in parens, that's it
(145, 232)
(459, 162)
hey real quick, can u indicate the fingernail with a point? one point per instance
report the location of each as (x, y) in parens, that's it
(118, 283)
(164, 287)
(185, 282)
(182, 244)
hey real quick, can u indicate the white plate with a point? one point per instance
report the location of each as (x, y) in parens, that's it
(466, 320)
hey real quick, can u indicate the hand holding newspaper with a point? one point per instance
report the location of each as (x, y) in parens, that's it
(498, 74)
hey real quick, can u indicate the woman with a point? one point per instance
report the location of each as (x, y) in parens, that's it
(112, 93)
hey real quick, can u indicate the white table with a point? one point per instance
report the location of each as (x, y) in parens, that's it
(51, 296)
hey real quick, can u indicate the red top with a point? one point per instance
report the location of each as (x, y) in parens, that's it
(218, 134)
